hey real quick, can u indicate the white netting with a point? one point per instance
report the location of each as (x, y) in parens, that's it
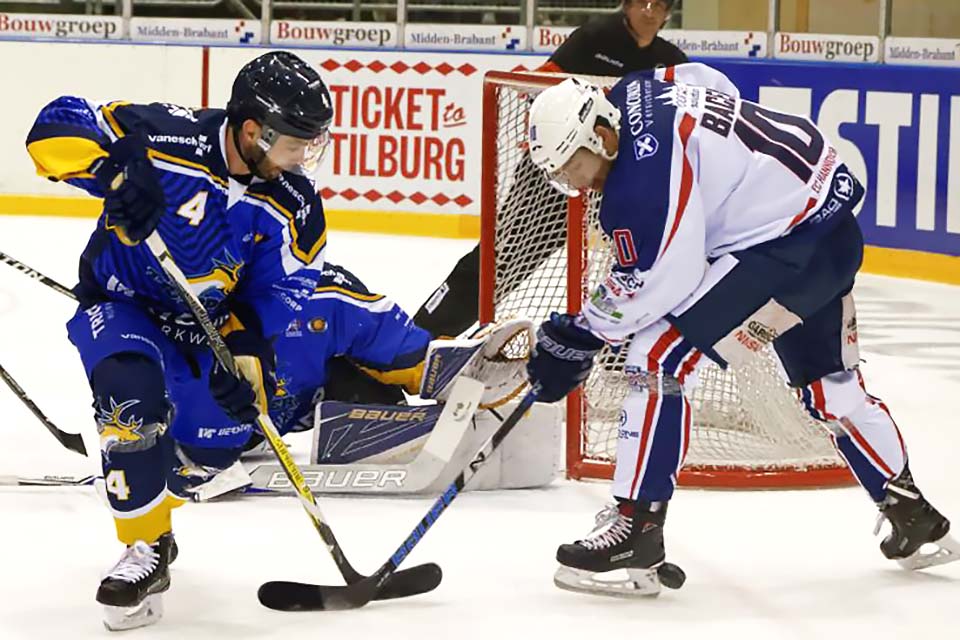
(748, 420)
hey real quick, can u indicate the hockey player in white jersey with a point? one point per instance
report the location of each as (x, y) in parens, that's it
(733, 228)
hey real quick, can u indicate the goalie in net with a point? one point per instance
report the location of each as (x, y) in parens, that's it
(733, 229)
(343, 366)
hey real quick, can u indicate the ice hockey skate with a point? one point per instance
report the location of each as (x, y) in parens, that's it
(627, 539)
(131, 590)
(916, 527)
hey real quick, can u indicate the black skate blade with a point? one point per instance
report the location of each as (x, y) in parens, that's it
(299, 596)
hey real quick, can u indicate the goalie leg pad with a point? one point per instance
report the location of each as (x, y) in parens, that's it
(347, 433)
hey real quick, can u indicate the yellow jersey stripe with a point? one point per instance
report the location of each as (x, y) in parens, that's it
(166, 157)
(409, 377)
(111, 119)
(306, 257)
(65, 157)
(365, 297)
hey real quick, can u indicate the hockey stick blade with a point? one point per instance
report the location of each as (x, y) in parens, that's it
(71, 441)
(299, 596)
(287, 596)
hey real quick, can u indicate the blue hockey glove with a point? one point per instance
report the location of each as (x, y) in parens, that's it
(132, 196)
(562, 357)
(245, 396)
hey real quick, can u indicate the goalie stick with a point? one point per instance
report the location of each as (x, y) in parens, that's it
(419, 579)
(299, 596)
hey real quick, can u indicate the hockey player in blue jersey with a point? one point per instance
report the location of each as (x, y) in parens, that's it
(358, 350)
(231, 194)
(349, 345)
(343, 322)
(733, 229)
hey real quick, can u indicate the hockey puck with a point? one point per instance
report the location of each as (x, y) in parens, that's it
(671, 576)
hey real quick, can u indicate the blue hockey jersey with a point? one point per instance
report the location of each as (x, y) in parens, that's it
(342, 318)
(261, 243)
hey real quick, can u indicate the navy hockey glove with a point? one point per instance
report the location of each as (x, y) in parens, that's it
(132, 196)
(562, 357)
(246, 396)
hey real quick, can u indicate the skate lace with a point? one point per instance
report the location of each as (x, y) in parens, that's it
(610, 528)
(136, 563)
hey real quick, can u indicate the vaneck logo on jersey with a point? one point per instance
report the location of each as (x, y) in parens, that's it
(180, 112)
(293, 191)
(199, 142)
(332, 274)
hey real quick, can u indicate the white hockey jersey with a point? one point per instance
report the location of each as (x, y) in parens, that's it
(701, 173)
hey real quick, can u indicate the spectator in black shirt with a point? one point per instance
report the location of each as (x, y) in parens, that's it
(613, 44)
(617, 43)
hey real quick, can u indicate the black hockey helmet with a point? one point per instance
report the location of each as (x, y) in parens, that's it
(281, 91)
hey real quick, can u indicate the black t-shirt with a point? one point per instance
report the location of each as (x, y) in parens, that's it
(604, 46)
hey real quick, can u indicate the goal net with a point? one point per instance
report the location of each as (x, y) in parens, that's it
(542, 251)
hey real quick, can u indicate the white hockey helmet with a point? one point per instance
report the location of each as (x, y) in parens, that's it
(562, 119)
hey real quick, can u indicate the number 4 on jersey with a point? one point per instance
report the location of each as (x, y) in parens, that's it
(194, 208)
(116, 483)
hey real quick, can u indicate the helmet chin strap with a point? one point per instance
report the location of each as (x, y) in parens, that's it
(253, 166)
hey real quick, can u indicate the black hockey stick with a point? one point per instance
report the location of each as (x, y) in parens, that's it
(36, 275)
(419, 579)
(299, 596)
(72, 441)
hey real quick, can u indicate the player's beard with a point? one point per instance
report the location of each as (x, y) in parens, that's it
(261, 166)
(266, 169)
(256, 159)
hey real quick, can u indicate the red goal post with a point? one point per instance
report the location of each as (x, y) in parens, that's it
(541, 251)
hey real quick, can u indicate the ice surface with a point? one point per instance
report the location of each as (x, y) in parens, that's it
(771, 565)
